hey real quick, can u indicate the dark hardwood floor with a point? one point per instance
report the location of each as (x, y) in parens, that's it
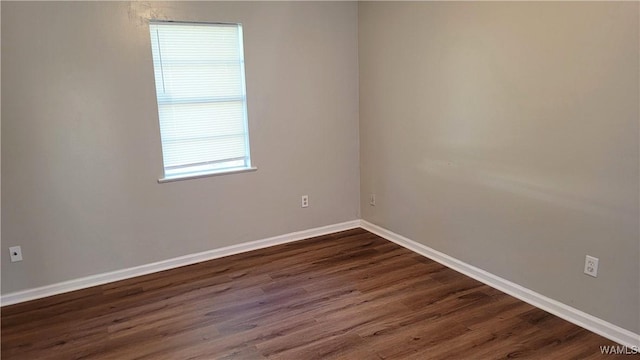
(349, 295)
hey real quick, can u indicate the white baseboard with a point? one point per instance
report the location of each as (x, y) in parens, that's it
(580, 318)
(99, 279)
(573, 315)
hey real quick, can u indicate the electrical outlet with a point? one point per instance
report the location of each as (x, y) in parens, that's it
(305, 201)
(16, 253)
(372, 200)
(591, 266)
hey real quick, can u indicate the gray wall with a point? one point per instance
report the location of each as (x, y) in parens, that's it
(81, 146)
(506, 135)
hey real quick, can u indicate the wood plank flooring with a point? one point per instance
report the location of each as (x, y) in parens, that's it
(349, 295)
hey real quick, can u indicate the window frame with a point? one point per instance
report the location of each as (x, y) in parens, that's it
(212, 171)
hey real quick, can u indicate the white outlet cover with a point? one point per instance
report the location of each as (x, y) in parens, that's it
(591, 266)
(16, 253)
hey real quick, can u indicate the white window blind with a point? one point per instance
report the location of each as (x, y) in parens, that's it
(200, 87)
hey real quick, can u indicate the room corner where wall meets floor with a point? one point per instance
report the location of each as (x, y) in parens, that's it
(589, 322)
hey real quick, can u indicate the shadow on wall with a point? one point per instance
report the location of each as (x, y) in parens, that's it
(475, 172)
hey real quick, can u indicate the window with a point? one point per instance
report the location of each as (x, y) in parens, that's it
(202, 107)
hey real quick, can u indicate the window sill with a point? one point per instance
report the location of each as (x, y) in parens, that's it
(203, 175)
